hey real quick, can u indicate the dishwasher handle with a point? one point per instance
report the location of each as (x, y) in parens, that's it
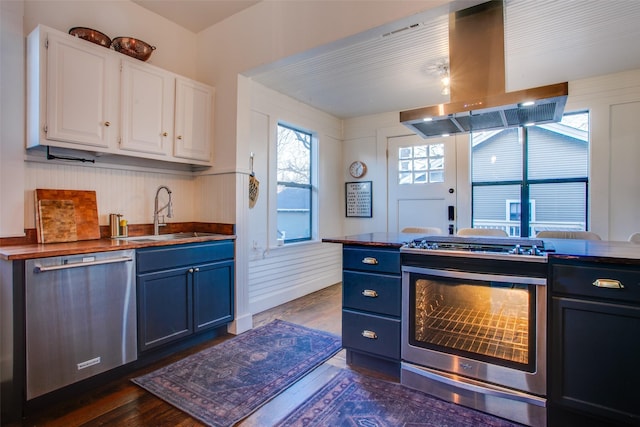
(42, 269)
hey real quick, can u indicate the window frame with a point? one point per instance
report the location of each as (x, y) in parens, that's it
(311, 186)
(525, 217)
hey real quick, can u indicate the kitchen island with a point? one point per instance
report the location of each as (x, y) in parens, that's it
(589, 304)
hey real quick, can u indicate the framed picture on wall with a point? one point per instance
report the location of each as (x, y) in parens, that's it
(358, 199)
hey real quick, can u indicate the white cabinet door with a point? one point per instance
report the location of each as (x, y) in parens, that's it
(193, 120)
(81, 93)
(147, 109)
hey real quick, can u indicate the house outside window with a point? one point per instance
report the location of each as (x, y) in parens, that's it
(294, 184)
(539, 173)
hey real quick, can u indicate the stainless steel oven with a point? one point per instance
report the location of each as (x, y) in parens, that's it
(474, 324)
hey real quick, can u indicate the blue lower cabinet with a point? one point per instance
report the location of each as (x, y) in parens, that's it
(183, 290)
(371, 307)
(369, 333)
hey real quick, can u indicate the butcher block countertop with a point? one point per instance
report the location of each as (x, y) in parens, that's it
(587, 250)
(41, 250)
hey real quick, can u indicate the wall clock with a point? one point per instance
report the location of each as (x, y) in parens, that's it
(357, 169)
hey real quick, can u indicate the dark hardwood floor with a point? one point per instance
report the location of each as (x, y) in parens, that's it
(123, 403)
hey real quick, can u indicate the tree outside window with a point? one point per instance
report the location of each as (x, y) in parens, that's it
(294, 184)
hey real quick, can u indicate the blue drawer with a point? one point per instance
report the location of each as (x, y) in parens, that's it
(371, 259)
(377, 293)
(174, 256)
(370, 333)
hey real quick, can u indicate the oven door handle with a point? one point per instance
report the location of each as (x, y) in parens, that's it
(465, 275)
(458, 381)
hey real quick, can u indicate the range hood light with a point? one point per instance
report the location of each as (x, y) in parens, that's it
(444, 135)
(528, 124)
(527, 103)
(427, 119)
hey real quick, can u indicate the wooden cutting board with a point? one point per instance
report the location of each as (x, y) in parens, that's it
(85, 208)
(57, 221)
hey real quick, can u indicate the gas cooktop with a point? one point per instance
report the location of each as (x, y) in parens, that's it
(515, 246)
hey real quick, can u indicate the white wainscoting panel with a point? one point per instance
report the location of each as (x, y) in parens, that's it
(276, 277)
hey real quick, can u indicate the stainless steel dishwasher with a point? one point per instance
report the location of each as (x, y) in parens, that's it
(80, 317)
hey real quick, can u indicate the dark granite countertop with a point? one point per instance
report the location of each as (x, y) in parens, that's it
(585, 250)
(41, 250)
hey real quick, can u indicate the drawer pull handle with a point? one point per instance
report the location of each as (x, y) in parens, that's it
(370, 334)
(370, 293)
(370, 260)
(608, 283)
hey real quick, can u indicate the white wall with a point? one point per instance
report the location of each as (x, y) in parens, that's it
(614, 102)
(279, 274)
(12, 120)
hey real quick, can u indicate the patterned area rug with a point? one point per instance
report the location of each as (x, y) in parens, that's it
(223, 384)
(351, 399)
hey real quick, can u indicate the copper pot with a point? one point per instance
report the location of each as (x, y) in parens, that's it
(133, 47)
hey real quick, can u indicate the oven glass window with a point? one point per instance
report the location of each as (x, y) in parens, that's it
(489, 321)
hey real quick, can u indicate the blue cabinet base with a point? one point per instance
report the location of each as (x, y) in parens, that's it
(377, 364)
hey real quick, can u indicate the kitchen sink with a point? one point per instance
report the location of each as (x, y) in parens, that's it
(167, 237)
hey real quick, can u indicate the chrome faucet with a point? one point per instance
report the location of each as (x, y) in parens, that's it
(156, 211)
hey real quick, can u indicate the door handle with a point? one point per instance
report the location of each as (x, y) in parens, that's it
(42, 269)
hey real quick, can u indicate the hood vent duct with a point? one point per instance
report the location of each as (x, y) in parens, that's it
(477, 69)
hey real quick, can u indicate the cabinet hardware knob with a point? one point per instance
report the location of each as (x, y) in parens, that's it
(370, 334)
(196, 269)
(370, 260)
(370, 293)
(164, 134)
(107, 124)
(608, 283)
(179, 137)
(191, 270)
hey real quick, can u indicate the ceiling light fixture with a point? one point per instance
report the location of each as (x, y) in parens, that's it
(445, 79)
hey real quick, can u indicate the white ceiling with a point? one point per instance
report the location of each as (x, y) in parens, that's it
(546, 41)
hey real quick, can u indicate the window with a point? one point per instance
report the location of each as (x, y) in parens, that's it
(514, 210)
(421, 164)
(294, 187)
(538, 173)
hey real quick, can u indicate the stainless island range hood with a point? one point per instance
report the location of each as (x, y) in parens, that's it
(477, 71)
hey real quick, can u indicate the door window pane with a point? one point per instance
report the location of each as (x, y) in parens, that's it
(496, 156)
(560, 150)
(421, 164)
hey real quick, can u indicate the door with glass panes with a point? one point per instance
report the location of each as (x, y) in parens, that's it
(421, 182)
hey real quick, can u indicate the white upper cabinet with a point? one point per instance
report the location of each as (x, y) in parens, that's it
(147, 109)
(72, 93)
(87, 97)
(194, 110)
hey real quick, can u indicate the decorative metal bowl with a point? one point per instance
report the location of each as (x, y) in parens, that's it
(133, 47)
(89, 34)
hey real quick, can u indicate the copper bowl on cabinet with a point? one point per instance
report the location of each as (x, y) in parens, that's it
(133, 47)
(89, 34)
